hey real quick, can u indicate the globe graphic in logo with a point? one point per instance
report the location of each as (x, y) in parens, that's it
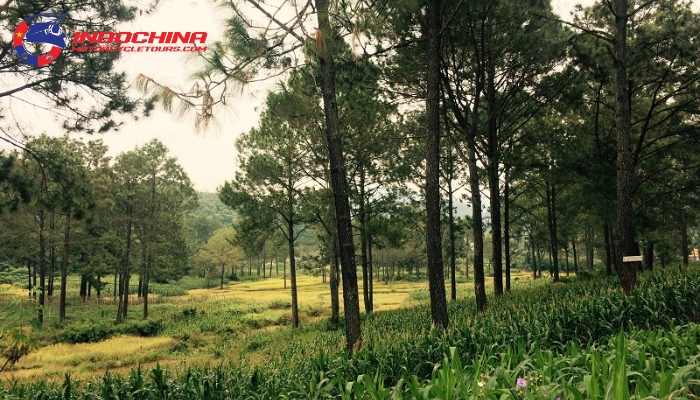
(37, 30)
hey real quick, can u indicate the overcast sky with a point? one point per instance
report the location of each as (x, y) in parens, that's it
(209, 159)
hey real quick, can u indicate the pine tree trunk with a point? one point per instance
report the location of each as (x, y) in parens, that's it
(436, 277)
(649, 255)
(684, 238)
(625, 164)
(573, 245)
(361, 217)
(42, 268)
(64, 269)
(124, 281)
(494, 182)
(553, 239)
(339, 183)
(451, 215)
(506, 227)
(608, 249)
(335, 299)
(293, 273)
(146, 279)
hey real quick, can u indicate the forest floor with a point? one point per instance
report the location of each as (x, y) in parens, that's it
(202, 327)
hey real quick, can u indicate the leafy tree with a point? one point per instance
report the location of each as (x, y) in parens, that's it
(272, 177)
(220, 253)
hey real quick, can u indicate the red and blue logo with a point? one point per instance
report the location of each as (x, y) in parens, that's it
(38, 31)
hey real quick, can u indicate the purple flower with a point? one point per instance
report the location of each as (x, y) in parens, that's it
(213, 374)
(521, 382)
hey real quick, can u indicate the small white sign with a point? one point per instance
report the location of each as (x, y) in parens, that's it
(632, 258)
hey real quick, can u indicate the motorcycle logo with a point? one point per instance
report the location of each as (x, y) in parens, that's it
(40, 30)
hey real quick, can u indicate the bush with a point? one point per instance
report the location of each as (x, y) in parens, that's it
(86, 333)
(145, 328)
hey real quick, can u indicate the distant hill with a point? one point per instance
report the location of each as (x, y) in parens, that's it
(211, 206)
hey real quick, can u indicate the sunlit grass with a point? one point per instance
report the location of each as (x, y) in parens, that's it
(249, 319)
(88, 359)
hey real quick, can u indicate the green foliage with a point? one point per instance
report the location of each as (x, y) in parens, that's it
(563, 341)
(98, 331)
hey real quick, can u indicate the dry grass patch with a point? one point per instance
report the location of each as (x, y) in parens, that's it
(90, 358)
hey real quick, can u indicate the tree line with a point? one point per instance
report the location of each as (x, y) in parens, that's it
(560, 132)
(576, 130)
(95, 216)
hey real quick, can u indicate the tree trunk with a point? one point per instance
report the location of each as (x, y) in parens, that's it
(363, 242)
(64, 269)
(608, 249)
(566, 254)
(684, 238)
(534, 256)
(223, 271)
(625, 164)
(52, 254)
(124, 283)
(146, 282)
(453, 262)
(371, 270)
(477, 229)
(29, 279)
(589, 249)
(573, 245)
(506, 226)
(494, 182)
(42, 268)
(553, 240)
(436, 277)
(335, 300)
(83, 287)
(649, 255)
(326, 37)
(293, 273)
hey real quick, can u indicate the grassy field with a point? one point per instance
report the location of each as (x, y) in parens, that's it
(201, 327)
(579, 339)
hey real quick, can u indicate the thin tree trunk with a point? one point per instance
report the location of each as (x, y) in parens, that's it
(42, 268)
(608, 249)
(371, 270)
(684, 238)
(453, 262)
(353, 338)
(649, 255)
(573, 245)
(52, 253)
(363, 241)
(506, 226)
(146, 282)
(124, 282)
(29, 279)
(223, 271)
(64, 269)
(293, 273)
(553, 240)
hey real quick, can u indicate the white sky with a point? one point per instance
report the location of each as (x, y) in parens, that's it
(209, 159)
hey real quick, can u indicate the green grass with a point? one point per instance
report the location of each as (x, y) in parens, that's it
(564, 340)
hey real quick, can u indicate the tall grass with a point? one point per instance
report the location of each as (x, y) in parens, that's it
(563, 341)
